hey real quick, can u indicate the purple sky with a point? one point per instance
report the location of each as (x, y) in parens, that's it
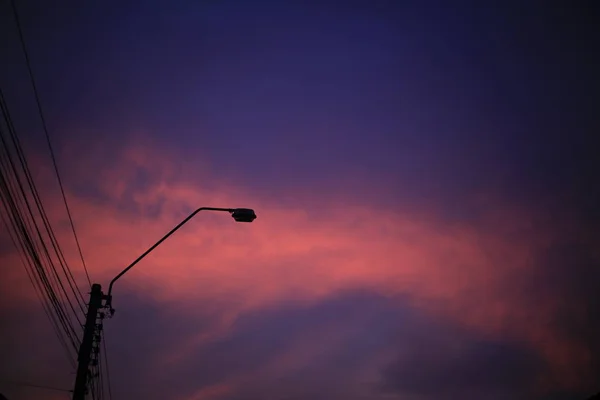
(469, 122)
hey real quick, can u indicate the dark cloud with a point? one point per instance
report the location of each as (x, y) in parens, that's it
(140, 336)
(447, 364)
(257, 339)
(25, 331)
(435, 358)
(341, 336)
(569, 275)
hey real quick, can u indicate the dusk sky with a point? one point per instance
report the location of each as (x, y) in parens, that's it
(422, 172)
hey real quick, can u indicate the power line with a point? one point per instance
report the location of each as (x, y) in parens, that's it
(54, 163)
(31, 385)
(23, 227)
(22, 232)
(106, 365)
(28, 243)
(17, 187)
(100, 379)
(40, 269)
(38, 291)
(26, 262)
(38, 202)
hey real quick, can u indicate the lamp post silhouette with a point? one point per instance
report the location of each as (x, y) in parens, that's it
(238, 214)
(90, 337)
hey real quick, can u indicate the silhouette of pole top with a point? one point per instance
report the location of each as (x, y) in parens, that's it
(238, 214)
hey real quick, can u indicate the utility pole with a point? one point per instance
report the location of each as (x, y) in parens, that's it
(91, 342)
(87, 344)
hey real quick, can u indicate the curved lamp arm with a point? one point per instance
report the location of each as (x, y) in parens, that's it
(239, 214)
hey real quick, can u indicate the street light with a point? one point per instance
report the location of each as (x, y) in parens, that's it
(91, 328)
(238, 214)
(243, 215)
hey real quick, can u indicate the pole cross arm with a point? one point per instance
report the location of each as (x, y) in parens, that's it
(238, 214)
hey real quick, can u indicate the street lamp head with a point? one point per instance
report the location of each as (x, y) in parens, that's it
(243, 214)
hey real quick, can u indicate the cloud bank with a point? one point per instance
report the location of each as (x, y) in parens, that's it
(345, 300)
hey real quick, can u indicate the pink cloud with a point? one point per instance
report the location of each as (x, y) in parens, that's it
(460, 271)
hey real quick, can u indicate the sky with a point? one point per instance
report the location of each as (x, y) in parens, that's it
(422, 174)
